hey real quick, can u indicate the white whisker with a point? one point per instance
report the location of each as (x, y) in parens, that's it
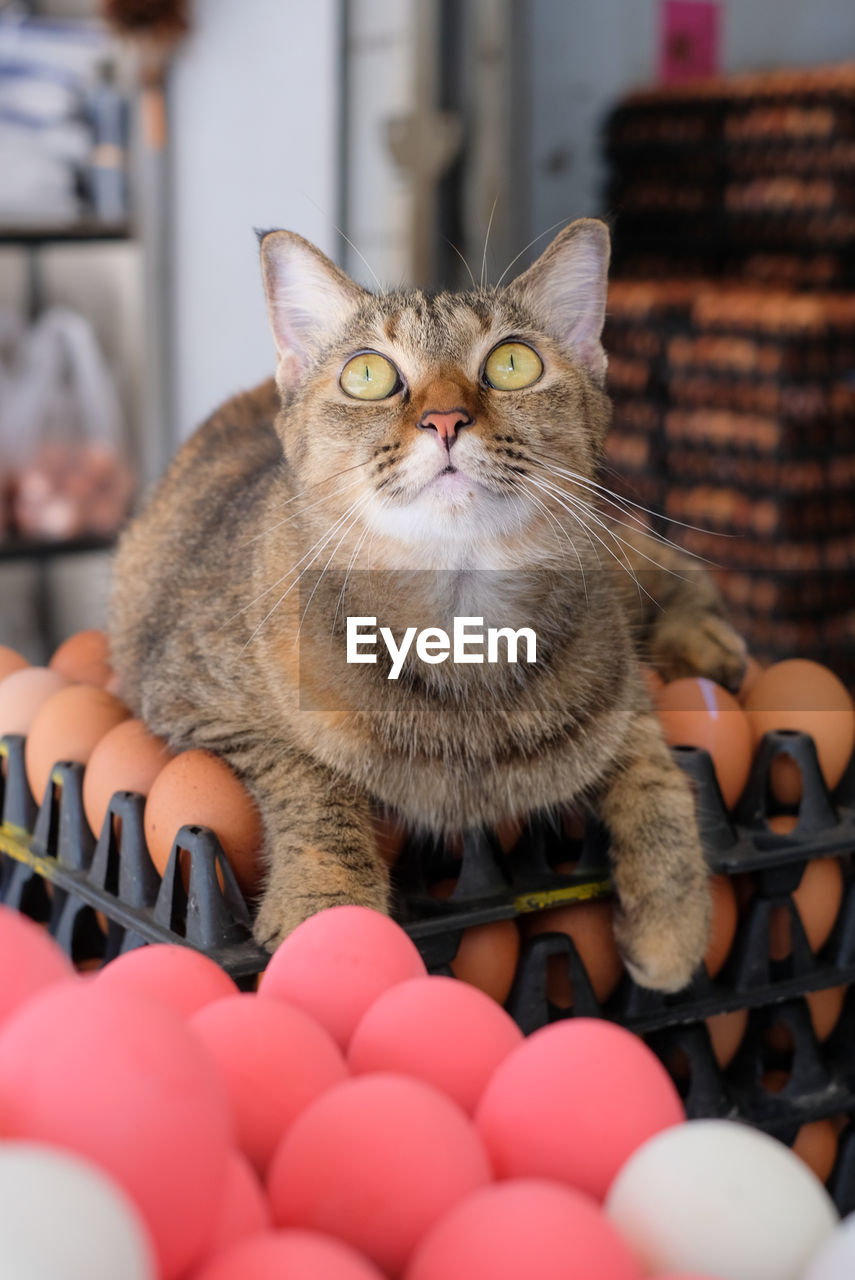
(486, 242)
(561, 222)
(321, 543)
(345, 488)
(453, 246)
(347, 240)
(356, 516)
(557, 524)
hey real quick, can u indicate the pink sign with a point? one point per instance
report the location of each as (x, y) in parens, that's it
(689, 39)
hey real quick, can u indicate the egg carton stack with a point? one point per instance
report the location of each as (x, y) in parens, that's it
(641, 315)
(753, 445)
(748, 174)
(760, 444)
(766, 1032)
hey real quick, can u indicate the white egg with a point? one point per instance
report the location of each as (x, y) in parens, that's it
(836, 1258)
(722, 1199)
(60, 1216)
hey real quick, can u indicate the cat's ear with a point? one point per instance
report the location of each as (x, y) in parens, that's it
(308, 298)
(566, 289)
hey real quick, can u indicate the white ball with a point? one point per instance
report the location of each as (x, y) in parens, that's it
(721, 1199)
(836, 1258)
(60, 1216)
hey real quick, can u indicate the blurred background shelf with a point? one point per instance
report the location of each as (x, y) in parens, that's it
(46, 548)
(39, 233)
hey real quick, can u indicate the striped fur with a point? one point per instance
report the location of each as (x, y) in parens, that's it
(213, 649)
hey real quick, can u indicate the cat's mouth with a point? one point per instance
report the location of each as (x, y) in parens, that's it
(451, 480)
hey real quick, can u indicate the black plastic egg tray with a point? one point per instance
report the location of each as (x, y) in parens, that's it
(102, 896)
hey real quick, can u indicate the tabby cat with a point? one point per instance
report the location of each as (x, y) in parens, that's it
(420, 458)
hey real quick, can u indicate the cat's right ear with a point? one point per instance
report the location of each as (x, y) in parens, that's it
(308, 298)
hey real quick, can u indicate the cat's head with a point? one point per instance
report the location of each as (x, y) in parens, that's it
(449, 425)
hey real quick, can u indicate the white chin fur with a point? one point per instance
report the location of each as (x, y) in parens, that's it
(453, 527)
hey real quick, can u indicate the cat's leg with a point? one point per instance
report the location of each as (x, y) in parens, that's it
(678, 616)
(320, 846)
(658, 866)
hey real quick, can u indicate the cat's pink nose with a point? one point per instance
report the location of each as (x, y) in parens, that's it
(446, 424)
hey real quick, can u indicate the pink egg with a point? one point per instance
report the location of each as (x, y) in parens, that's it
(375, 1162)
(275, 1060)
(29, 961)
(526, 1227)
(243, 1211)
(177, 976)
(338, 962)
(297, 1255)
(119, 1079)
(438, 1029)
(573, 1102)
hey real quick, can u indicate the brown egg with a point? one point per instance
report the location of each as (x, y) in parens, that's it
(825, 1008)
(695, 712)
(487, 957)
(652, 679)
(85, 658)
(68, 727)
(817, 900)
(775, 1081)
(10, 660)
(197, 788)
(591, 927)
(723, 925)
(128, 758)
(804, 696)
(744, 890)
(508, 833)
(816, 1144)
(726, 1031)
(23, 693)
(753, 672)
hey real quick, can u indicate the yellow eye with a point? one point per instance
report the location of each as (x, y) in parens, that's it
(511, 366)
(369, 376)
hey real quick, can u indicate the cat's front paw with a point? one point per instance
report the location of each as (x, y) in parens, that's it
(280, 911)
(702, 645)
(663, 939)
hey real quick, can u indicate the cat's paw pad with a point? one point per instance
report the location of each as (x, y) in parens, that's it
(664, 946)
(708, 646)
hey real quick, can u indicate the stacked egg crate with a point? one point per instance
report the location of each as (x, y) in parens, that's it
(742, 188)
(748, 174)
(769, 1040)
(752, 449)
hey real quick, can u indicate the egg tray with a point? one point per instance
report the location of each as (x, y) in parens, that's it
(494, 886)
(817, 1080)
(114, 874)
(101, 897)
(54, 870)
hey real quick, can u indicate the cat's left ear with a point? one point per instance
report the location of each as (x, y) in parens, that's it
(308, 299)
(566, 289)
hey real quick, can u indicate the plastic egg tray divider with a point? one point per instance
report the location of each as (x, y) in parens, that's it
(101, 896)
